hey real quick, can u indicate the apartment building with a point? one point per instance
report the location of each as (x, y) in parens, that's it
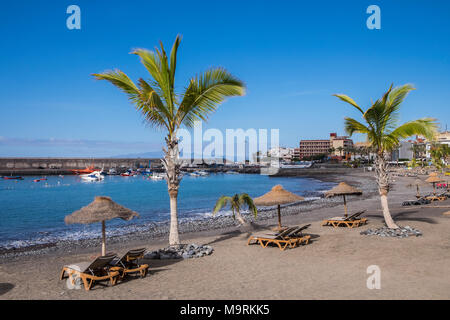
(316, 147)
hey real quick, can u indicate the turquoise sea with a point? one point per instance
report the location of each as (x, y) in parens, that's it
(33, 212)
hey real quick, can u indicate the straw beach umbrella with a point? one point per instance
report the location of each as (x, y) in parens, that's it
(434, 179)
(100, 210)
(277, 196)
(343, 189)
(417, 183)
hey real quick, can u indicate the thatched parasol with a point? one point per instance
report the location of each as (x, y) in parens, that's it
(343, 189)
(434, 179)
(417, 183)
(100, 210)
(277, 196)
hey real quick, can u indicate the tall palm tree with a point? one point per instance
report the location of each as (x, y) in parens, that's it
(379, 125)
(236, 202)
(163, 107)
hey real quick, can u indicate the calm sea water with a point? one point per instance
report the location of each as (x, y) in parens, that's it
(33, 212)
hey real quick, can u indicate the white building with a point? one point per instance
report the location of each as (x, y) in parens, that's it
(284, 154)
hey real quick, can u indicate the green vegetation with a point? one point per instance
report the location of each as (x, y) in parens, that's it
(236, 202)
(164, 107)
(380, 126)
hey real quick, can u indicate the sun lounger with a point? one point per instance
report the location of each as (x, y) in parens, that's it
(418, 202)
(291, 237)
(433, 198)
(89, 272)
(351, 221)
(129, 263)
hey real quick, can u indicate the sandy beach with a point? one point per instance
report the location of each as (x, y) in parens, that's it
(333, 266)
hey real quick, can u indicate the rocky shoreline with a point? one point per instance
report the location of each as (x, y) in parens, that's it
(160, 230)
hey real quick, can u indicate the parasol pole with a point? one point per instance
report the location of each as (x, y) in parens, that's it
(279, 216)
(345, 206)
(103, 238)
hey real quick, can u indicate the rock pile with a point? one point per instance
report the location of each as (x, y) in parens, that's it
(402, 232)
(182, 251)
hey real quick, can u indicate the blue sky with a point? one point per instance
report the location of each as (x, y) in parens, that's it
(292, 55)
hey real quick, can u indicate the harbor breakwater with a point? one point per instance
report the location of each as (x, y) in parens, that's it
(51, 166)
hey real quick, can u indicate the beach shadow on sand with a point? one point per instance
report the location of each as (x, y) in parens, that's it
(243, 231)
(246, 231)
(5, 287)
(406, 215)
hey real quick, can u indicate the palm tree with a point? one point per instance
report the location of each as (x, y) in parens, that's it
(340, 149)
(380, 127)
(439, 154)
(236, 202)
(162, 107)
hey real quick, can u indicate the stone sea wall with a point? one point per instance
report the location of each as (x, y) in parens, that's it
(38, 166)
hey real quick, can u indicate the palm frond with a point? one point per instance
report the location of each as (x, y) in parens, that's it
(351, 126)
(121, 81)
(398, 94)
(152, 107)
(426, 127)
(156, 64)
(349, 100)
(244, 198)
(205, 93)
(173, 59)
(221, 202)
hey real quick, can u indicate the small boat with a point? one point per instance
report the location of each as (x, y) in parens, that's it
(232, 172)
(127, 174)
(13, 178)
(42, 179)
(194, 174)
(87, 170)
(202, 173)
(156, 176)
(94, 176)
(112, 172)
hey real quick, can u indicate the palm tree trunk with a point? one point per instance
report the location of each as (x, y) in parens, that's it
(172, 167)
(382, 174)
(239, 217)
(174, 238)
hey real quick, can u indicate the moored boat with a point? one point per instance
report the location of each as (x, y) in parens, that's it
(13, 178)
(94, 176)
(87, 170)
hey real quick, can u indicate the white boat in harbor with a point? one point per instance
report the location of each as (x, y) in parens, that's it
(157, 176)
(298, 165)
(202, 173)
(94, 176)
(232, 172)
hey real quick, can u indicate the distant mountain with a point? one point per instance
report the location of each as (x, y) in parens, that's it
(152, 154)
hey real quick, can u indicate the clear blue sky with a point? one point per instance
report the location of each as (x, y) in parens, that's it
(292, 55)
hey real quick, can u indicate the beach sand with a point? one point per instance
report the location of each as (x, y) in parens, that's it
(333, 266)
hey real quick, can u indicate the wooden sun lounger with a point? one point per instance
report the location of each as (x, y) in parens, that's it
(436, 198)
(291, 237)
(129, 263)
(351, 221)
(97, 270)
